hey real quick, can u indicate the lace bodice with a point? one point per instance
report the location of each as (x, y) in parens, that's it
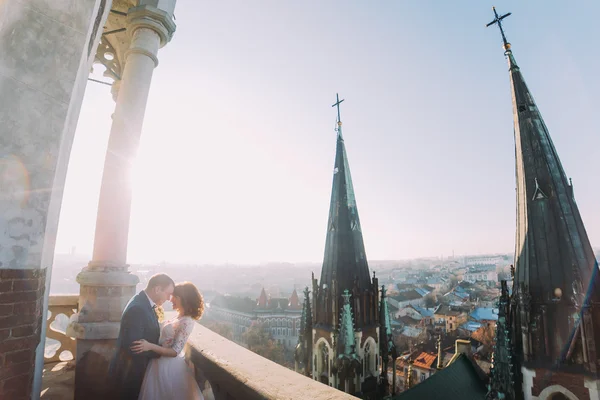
(175, 333)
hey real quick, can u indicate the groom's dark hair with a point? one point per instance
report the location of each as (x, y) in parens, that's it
(161, 280)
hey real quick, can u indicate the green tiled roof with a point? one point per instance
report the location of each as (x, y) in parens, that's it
(459, 380)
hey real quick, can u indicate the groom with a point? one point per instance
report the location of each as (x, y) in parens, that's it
(139, 321)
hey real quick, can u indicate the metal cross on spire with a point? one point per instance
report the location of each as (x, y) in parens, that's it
(498, 20)
(337, 104)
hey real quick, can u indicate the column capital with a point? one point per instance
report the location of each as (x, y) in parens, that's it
(147, 16)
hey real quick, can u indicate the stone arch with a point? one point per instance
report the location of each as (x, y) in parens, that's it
(369, 353)
(549, 392)
(323, 353)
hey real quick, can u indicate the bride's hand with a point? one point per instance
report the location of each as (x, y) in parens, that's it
(139, 346)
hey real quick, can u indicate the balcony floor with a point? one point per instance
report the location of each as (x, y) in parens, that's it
(58, 381)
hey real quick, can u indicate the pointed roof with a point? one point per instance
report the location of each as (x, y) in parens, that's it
(294, 300)
(302, 353)
(551, 237)
(346, 338)
(262, 299)
(345, 257)
(553, 253)
(386, 342)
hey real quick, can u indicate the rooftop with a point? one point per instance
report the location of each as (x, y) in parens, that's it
(408, 295)
(459, 380)
(425, 360)
(485, 314)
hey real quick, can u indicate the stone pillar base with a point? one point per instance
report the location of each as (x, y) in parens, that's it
(104, 293)
(91, 370)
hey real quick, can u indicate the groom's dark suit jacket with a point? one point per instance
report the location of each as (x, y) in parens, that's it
(127, 369)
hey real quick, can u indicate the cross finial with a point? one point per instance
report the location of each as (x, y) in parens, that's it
(498, 20)
(337, 104)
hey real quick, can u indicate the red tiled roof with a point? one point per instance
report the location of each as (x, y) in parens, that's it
(425, 360)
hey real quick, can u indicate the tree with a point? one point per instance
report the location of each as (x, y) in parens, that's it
(430, 301)
(219, 328)
(453, 281)
(486, 335)
(259, 340)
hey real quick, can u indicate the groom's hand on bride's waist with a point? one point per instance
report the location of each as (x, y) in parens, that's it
(140, 346)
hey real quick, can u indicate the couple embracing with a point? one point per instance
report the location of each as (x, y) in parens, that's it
(149, 363)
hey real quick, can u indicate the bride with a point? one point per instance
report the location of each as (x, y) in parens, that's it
(169, 377)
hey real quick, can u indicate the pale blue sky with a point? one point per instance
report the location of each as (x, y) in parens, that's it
(238, 145)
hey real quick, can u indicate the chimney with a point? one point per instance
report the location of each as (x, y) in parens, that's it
(463, 347)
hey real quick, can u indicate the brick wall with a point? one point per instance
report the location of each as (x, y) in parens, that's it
(21, 303)
(574, 383)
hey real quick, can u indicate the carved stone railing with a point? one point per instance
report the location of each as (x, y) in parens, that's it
(233, 372)
(60, 347)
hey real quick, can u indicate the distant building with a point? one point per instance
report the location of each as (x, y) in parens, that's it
(485, 316)
(485, 274)
(405, 298)
(425, 316)
(281, 315)
(451, 317)
(436, 283)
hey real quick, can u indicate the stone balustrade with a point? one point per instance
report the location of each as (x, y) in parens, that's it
(59, 346)
(234, 372)
(224, 369)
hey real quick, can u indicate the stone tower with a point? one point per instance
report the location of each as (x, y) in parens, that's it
(345, 300)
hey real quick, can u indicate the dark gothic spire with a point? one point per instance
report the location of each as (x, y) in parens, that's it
(345, 257)
(386, 341)
(553, 253)
(302, 355)
(306, 322)
(387, 348)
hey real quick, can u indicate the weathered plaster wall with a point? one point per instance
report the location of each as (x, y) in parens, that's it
(46, 50)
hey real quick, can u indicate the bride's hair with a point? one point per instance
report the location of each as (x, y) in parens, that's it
(192, 301)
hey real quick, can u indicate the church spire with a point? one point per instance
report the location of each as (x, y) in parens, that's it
(303, 352)
(385, 333)
(387, 349)
(345, 257)
(553, 252)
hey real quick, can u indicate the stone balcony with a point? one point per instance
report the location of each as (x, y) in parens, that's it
(224, 370)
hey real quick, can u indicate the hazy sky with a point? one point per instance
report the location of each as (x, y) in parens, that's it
(237, 152)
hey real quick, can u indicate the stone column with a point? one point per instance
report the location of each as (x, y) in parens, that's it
(106, 284)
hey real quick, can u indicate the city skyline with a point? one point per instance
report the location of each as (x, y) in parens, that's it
(247, 177)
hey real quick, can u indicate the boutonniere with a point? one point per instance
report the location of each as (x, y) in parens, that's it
(160, 313)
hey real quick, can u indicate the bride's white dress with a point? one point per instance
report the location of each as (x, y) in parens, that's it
(170, 377)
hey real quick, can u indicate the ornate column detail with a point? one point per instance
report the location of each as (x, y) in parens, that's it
(106, 283)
